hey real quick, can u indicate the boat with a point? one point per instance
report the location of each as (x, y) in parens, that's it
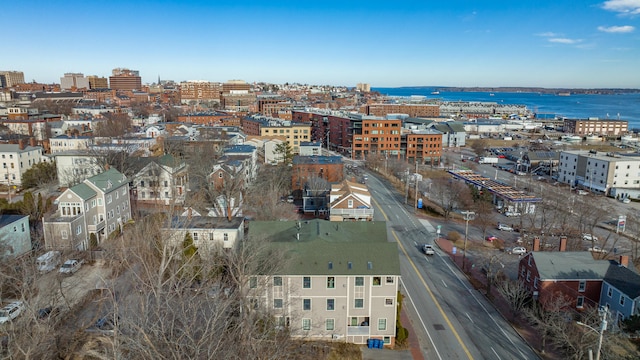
(572, 138)
(492, 94)
(564, 94)
(435, 93)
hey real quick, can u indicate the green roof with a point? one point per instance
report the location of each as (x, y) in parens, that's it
(84, 191)
(112, 176)
(320, 247)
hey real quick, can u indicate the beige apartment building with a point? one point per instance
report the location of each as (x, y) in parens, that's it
(595, 127)
(200, 91)
(293, 133)
(338, 282)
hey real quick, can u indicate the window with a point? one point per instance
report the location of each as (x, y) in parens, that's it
(330, 265)
(306, 304)
(166, 183)
(253, 282)
(582, 285)
(358, 303)
(350, 204)
(535, 282)
(99, 202)
(195, 236)
(528, 275)
(382, 324)
(331, 304)
(225, 236)
(610, 292)
(390, 280)
(621, 300)
(388, 302)
(93, 203)
(166, 194)
(277, 281)
(142, 183)
(277, 303)
(580, 302)
(79, 230)
(331, 282)
(109, 199)
(306, 282)
(306, 324)
(64, 234)
(330, 324)
(369, 265)
(22, 227)
(377, 281)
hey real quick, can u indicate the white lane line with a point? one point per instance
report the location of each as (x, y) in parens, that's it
(494, 351)
(421, 321)
(470, 319)
(444, 283)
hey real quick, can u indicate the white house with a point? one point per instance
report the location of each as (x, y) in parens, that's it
(67, 142)
(74, 166)
(16, 159)
(15, 236)
(209, 234)
(163, 180)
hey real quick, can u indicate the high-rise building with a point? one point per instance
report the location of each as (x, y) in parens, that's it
(96, 82)
(125, 79)
(11, 78)
(235, 86)
(199, 91)
(363, 87)
(74, 81)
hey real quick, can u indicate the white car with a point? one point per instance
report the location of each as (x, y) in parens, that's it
(626, 200)
(70, 266)
(504, 227)
(518, 250)
(598, 249)
(589, 237)
(511, 213)
(428, 250)
(582, 192)
(11, 311)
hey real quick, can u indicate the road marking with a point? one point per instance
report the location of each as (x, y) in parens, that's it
(443, 283)
(494, 351)
(470, 319)
(424, 283)
(421, 321)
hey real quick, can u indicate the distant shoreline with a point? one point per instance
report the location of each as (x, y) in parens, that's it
(603, 91)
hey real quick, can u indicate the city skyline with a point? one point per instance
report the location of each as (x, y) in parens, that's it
(457, 43)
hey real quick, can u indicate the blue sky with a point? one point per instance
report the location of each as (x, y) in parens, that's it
(557, 43)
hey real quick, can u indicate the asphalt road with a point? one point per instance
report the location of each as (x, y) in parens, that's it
(452, 320)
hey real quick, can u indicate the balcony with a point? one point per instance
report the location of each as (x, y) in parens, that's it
(96, 227)
(353, 213)
(358, 330)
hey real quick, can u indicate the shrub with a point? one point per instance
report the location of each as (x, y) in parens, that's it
(453, 236)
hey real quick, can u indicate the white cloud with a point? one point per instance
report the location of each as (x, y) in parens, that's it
(564, 41)
(624, 7)
(617, 29)
(547, 34)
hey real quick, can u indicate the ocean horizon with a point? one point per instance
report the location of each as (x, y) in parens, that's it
(575, 106)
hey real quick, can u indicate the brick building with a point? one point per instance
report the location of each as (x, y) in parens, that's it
(125, 79)
(375, 135)
(200, 91)
(413, 110)
(305, 168)
(596, 127)
(423, 146)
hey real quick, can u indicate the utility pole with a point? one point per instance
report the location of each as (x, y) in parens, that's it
(406, 187)
(415, 205)
(468, 215)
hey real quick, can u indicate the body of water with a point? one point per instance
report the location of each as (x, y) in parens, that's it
(622, 106)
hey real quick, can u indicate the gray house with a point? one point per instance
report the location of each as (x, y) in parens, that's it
(15, 236)
(339, 281)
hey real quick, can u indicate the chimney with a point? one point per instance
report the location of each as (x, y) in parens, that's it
(189, 213)
(32, 141)
(107, 167)
(21, 144)
(563, 243)
(624, 260)
(536, 244)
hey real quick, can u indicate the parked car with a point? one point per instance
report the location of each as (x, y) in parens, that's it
(70, 266)
(582, 192)
(598, 249)
(47, 312)
(491, 238)
(504, 227)
(626, 200)
(518, 250)
(11, 311)
(589, 237)
(289, 199)
(428, 249)
(511, 213)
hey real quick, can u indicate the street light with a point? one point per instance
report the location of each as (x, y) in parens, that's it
(468, 215)
(603, 327)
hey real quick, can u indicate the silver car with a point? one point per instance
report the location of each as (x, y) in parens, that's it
(428, 249)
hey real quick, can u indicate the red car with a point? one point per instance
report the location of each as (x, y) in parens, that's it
(491, 238)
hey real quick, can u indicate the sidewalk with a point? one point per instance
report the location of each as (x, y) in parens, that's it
(411, 352)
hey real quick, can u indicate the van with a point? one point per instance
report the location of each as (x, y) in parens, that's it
(48, 261)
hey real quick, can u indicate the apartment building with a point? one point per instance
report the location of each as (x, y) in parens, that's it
(88, 212)
(66, 142)
(16, 160)
(334, 129)
(372, 134)
(97, 82)
(422, 146)
(307, 168)
(413, 110)
(613, 174)
(163, 180)
(605, 127)
(11, 78)
(200, 91)
(74, 166)
(74, 81)
(338, 281)
(293, 133)
(125, 79)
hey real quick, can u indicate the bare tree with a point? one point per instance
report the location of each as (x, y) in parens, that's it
(114, 125)
(450, 195)
(515, 293)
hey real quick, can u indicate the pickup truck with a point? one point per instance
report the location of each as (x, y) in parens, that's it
(70, 266)
(428, 249)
